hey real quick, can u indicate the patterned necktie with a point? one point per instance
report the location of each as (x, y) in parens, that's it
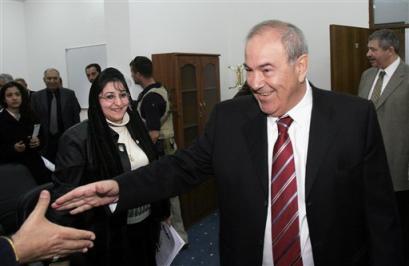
(53, 115)
(284, 200)
(376, 94)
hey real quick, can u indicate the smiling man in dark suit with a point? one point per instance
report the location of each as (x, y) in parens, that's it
(57, 108)
(301, 173)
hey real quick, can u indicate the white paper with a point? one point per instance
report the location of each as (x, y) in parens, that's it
(170, 243)
(48, 164)
(36, 130)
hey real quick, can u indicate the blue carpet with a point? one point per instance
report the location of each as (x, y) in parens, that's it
(203, 244)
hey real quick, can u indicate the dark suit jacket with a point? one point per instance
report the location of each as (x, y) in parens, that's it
(393, 115)
(350, 202)
(7, 257)
(70, 110)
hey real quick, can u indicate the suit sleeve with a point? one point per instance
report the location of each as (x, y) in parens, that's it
(70, 161)
(69, 171)
(76, 109)
(385, 237)
(170, 175)
(7, 256)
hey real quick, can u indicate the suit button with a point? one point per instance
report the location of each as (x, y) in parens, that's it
(265, 203)
(309, 204)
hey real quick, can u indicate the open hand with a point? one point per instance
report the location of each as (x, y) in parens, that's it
(88, 196)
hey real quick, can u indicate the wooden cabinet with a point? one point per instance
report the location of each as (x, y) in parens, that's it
(193, 84)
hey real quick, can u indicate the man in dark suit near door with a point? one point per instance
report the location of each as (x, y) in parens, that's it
(301, 173)
(57, 108)
(386, 83)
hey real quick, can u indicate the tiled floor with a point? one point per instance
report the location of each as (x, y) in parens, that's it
(203, 244)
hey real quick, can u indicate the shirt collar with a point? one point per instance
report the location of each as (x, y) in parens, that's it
(125, 121)
(392, 67)
(299, 112)
(16, 116)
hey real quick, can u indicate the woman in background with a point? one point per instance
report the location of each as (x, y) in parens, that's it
(17, 142)
(113, 140)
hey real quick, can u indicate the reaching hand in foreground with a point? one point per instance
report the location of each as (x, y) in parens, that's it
(39, 239)
(88, 196)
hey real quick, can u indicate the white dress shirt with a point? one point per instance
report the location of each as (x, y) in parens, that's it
(388, 74)
(299, 135)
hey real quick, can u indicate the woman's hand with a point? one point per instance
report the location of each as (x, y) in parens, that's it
(34, 142)
(20, 146)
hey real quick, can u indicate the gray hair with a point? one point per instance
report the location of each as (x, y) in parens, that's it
(6, 77)
(292, 37)
(49, 69)
(387, 38)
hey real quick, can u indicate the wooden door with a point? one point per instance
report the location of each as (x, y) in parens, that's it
(210, 87)
(200, 91)
(189, 99)
(348, 47)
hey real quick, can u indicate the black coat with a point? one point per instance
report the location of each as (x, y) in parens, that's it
(350, 204)
(13, 131)
(74, 167)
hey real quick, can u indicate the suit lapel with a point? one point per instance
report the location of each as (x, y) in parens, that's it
(368, 83)
(322, 132)
(394, 82)
(255, 134)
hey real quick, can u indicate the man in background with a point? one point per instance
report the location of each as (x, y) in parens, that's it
(386, 83)
(57, 108)
(92, 71)
(154, 107)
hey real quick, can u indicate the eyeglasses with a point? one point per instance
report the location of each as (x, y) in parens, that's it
(110, 97)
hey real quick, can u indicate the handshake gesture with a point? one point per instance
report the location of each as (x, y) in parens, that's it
(88, 196)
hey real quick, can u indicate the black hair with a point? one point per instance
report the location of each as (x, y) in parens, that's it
(143, 65)
(25, 107)
(97, 67)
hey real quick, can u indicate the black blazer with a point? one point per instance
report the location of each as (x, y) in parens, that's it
(13, 131)
(350, 202)
(70, 110)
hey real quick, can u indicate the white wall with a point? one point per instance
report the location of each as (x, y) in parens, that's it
(131, 28)
(13, 49)
(212, 27)
(53, 26)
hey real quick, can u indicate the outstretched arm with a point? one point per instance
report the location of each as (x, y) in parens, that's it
(39, 239)
(88, 196)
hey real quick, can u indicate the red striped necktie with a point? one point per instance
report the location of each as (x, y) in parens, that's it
(284, 200)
